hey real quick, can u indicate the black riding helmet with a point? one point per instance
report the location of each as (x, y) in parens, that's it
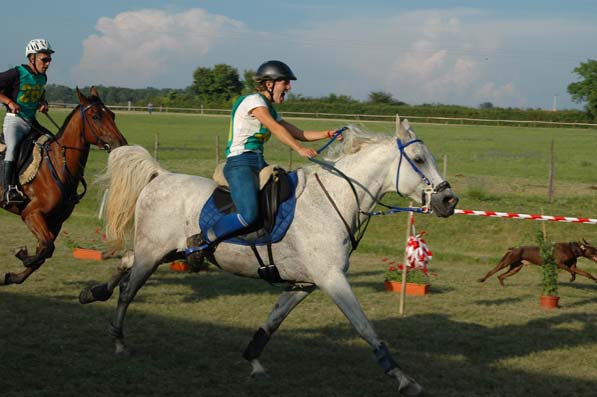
(274, 70)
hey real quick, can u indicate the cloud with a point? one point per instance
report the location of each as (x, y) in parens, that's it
(140, 48)
(454, 56)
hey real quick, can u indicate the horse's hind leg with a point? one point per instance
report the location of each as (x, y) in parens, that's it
(103, 292)
(289, 299)
(338, 288)
(129, 286)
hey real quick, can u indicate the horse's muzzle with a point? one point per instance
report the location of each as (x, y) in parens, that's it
(443, 201)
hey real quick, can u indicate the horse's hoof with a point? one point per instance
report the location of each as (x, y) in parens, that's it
(86, 296)
(93, 294)
(122, 350)
(21, 253)
(262, 375)
(411, 388)
(480, 280)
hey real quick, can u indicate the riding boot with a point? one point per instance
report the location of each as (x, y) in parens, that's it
(197, 248)
(12, 194)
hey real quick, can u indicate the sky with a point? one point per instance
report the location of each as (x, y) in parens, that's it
(510, 53)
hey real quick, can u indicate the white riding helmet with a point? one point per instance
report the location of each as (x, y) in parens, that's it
(38, 45)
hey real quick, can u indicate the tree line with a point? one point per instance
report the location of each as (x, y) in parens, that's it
(219, 86)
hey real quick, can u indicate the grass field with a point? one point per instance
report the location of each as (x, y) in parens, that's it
(189, 330)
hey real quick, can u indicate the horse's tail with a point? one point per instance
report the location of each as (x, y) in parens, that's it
(130, 169)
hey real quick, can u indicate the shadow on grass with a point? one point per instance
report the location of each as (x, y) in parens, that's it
(50, 347)
(494, 302)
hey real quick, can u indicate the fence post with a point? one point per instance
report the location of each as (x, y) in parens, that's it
(289, 159)
(409, 231)
(550, 190)
(445, 165)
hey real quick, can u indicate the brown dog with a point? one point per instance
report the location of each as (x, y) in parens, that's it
(565, 255)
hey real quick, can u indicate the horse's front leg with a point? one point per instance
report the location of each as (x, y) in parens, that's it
(103, 292)
(45, 248)
(130, 284)
(287, 301)
(337, 287)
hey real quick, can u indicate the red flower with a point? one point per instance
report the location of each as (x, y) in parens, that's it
(392, 268)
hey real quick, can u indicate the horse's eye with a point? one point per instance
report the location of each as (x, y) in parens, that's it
(419, 159)
(96, 116)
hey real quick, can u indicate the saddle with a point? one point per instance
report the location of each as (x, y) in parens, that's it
(275, 188)
(277, 201)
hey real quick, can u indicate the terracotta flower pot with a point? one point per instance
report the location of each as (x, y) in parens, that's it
(549, 302)
(88, 254)
(411, 288)
(179, 267)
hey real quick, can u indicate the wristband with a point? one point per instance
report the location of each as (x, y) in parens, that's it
(329, 133)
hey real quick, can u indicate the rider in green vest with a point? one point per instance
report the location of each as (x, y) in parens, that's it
(22, 91)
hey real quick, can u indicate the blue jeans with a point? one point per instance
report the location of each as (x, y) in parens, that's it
(242, 174)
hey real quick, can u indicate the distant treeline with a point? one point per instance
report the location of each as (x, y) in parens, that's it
(336, 104)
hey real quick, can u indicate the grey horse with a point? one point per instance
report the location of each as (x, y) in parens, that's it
(333, 200)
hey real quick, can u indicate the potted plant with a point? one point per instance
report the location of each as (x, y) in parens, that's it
(549, 298)
(417, 280)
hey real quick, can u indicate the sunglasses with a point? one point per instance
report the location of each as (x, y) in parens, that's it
(46, 60)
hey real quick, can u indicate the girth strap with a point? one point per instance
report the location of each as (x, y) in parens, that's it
(269, 272)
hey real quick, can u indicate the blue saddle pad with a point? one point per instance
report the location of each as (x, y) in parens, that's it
(210, 215)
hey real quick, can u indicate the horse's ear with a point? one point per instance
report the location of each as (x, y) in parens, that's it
(93, 91)
(585, 241)
(82, 98)
(402, 129)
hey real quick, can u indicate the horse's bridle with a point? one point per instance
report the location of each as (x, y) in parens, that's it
(426, 195)
(99, 141)
(431, 188)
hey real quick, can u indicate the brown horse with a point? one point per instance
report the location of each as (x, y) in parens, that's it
(52, 194)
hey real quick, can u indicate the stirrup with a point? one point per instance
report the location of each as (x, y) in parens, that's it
(14, 195)
(195, 252)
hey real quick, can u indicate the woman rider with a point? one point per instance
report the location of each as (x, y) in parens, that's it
(22, 91)
(253, 121)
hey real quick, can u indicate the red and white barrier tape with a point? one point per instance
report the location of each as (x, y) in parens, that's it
(535, 217)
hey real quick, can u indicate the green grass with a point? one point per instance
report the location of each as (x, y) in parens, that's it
(189, 330)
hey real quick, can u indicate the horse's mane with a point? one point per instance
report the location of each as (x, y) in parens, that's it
(355, 138)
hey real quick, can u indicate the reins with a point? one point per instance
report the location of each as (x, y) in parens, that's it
(68, 188)
(361, 227)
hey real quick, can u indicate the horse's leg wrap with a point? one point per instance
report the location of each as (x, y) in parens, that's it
(125, 295)
(384, 358)
(255, 347)
(115, 332)
(101, 292)
(94, 294)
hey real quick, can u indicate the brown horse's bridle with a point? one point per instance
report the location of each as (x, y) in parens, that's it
(99, 141)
